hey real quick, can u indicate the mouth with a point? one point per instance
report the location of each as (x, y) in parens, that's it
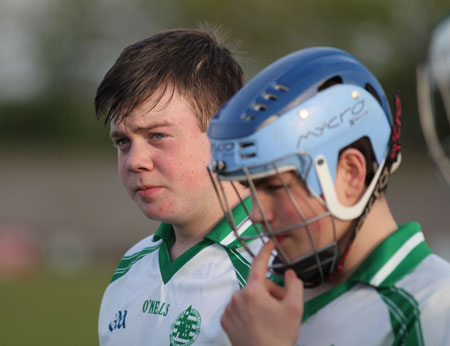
(280, 238)
(147, 191)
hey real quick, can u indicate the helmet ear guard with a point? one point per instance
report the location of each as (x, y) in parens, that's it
(330, 196)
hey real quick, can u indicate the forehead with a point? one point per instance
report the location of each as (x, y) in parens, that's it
(166, 108)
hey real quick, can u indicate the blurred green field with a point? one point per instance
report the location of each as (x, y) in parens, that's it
(47, 310)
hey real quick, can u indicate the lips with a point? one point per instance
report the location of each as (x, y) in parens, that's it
(280, 237)
(148, 191)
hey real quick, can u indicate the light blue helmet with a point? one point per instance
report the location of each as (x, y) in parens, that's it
(298, 114)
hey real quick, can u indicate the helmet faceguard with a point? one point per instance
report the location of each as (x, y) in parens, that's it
(297, 115)
(433, 89)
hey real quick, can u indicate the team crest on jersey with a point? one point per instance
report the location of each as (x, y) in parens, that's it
(185, 328)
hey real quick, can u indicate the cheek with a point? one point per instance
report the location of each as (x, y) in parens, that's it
(289, 214)
(286, 209)
(195, 161)
(121, 163)
(194, 175)
(123, 173)
(199, 147)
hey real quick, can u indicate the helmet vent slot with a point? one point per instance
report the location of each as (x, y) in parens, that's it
(281, 87)
(247, 156)
(269, 96)
(247, 150)
(372, 91)
(330, 82)
(246, 144)
(259, 107)
(248, 117)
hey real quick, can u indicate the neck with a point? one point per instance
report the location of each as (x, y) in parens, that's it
(379, 225)
(183, 243)
(190, 232)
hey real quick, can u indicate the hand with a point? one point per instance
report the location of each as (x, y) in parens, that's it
(263, 313)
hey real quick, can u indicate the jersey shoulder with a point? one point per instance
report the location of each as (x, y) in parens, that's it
(147, 242)
(429, 284)
(435, 270)
(431, 275)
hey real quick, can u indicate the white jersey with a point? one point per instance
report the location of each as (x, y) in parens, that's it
(400, 295)
(154, 301)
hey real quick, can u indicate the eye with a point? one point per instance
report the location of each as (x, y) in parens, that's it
(157, 136)
(273, 187)
(267, 184)
(121, 143)
(245, 183)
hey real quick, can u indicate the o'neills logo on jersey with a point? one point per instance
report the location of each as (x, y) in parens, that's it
(185, 328)
(155, 307)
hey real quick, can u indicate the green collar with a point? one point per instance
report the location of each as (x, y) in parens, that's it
(221, 233)
(394, 258)
(224, 235)
(166, 233)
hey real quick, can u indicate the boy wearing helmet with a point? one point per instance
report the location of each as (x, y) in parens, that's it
(314, 140)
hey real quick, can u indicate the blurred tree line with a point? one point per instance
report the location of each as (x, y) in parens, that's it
(55, 53)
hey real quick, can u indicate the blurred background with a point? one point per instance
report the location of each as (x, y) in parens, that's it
(65, 220)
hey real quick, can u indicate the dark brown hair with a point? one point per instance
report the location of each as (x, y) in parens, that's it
(190, 61)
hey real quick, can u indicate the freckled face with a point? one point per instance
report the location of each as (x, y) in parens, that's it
(162, 157)
(281, 212)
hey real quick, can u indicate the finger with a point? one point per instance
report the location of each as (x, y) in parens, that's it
(293, 290)
(260, 262)
(275, 290)
(229, 312)
(225, 319)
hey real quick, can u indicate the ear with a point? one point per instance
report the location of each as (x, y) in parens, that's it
(350, 176)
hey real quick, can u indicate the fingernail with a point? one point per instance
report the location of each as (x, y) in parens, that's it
(290, 273)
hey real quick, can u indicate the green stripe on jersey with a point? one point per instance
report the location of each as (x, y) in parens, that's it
(395, 257)
(405, 316)
(127, 261)
(241, 266)
(223, 233)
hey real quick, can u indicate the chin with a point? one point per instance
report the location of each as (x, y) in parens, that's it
(158, 213)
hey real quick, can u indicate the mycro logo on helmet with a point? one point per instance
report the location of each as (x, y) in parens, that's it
(349, 115)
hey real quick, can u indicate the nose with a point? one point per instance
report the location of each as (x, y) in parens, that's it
(139, 158)
(261, 209)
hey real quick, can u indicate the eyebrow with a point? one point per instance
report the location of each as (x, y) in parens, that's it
(141, 129)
